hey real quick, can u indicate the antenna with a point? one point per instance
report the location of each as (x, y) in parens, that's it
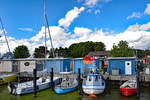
(4, 34)
(46, 25)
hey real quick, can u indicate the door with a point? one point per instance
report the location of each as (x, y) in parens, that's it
(128, 69)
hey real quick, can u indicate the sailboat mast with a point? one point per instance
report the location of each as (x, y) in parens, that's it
(45, 30)
(46, 23)
(4, 34)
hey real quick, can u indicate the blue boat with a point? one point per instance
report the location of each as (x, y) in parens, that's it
(68, 84)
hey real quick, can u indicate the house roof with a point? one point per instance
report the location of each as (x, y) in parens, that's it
(99, 53)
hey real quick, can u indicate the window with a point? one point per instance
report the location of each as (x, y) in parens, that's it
(128, 63)
(26, 63)
(90, 78)
(96, 78)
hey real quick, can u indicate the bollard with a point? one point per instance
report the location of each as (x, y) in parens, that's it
(34, 81)
(52, 77)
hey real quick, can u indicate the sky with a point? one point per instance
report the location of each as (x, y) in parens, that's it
(74, 21)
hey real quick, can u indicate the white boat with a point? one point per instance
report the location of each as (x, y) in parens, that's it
(93, 84)
(27, 87)
(129, 88)
(67, 84)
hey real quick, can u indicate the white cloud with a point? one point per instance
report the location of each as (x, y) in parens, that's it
(90, 3)
(105, 1)
(58, 36)
(97, 11)
(70, 16)
(89, 10)
(137, 36)
(137, 27)
(80, 31)
(26, 29)
(147, 10)
(135, 15)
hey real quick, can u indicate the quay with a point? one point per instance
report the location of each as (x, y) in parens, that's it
(114, 79)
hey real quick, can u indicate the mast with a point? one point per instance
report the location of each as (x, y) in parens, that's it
(46, 25)
(4, 34)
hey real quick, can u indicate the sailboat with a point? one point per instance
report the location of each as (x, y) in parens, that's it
(68, 84)
(28, 87)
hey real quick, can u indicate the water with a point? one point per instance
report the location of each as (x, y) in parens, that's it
(50, 95)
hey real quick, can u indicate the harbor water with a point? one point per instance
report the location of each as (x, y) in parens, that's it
(112, 94)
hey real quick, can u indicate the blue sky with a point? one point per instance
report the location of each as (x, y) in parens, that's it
(95, 20)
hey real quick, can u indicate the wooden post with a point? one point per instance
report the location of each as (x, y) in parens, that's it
(79, 82)
(138, 83)
(52, 77)
(34, 81)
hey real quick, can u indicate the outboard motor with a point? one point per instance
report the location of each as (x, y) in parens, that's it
(12, 87)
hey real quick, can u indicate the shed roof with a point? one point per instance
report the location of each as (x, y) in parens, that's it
(99, 53)
(32, 59)
(121, 58)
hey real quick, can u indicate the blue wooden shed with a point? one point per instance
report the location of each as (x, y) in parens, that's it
(78, 63)
(58, 64)
(124, 65)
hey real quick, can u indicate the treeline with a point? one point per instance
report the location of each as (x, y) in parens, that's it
(75, 50)
(80, 50)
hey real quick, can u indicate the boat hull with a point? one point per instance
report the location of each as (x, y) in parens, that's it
(8, 79)
(93, 89)
(128, 91)
(63, 91)
(22, 91)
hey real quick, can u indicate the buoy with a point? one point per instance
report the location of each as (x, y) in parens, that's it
(92, 96)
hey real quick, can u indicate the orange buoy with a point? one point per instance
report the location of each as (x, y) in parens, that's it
(92, 96)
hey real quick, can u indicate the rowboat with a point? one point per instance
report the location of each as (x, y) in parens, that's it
(129, 88)
(68, 84)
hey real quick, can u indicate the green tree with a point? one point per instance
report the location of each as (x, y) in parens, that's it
(40, 52)
(122, 50)
(83, 48)
(21, 52)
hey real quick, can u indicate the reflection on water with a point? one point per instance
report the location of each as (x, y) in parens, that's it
(114, 94)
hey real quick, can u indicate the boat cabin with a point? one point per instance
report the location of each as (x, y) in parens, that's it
(93, 79)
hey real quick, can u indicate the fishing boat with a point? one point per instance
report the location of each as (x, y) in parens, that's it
(28, 87)
(93, 84)
(4, 79)
(129, 88)
(68, 84)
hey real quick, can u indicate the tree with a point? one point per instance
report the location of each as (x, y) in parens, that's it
(122, 50)
(21, 52)
(40, 52)
(83, 48)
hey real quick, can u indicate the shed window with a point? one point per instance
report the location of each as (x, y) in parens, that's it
(26, 63)
(90, 78)
(96, 78)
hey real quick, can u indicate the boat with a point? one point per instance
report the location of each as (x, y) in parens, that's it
(27, 87)
(68, 84)
(93, 84)
(129, 88)
(4, 79)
